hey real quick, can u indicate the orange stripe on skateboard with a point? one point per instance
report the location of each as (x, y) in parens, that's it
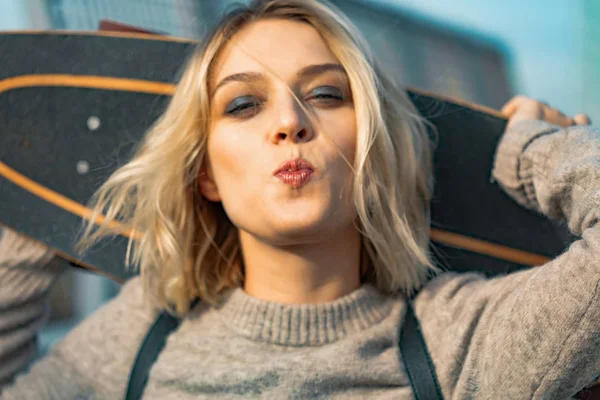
(87, 81)
(59, 200)
(159, 88)
(487, 248)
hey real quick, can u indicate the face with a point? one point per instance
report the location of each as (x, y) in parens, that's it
(257, 124)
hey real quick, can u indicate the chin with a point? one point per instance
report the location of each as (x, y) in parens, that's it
(296, 222)
(304, 227)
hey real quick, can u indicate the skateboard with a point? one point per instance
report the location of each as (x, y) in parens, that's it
(74, 104)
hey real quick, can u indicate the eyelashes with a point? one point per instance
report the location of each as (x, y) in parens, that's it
(242, 104)
(246, 106)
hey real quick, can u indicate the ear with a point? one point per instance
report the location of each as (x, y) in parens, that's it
(207, 185)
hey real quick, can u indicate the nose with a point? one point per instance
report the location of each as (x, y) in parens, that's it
(292, 122)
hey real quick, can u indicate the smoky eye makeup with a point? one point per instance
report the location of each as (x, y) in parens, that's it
(330, 88)
(244, 100)
(327, 93)
(248, 102)
(241, 104)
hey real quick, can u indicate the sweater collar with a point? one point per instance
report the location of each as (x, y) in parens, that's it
(304, 324)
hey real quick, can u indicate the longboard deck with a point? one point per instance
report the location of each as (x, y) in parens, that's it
(74, 105)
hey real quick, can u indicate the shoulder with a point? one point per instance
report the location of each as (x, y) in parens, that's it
(454, 297)
(103, 347)
(449, 289)
(448, 309)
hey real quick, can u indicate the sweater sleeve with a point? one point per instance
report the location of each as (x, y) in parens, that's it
(27, 271)
(533, 334)
(93, 361)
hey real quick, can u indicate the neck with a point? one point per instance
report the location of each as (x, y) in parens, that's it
(304, 273)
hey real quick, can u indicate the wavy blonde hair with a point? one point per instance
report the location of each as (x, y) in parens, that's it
(187, 247)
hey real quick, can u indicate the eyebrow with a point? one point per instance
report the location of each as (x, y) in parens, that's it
(249, 77)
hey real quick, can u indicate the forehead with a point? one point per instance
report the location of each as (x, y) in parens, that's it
(280, 46)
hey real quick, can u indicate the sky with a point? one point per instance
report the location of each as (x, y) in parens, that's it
(544, 39)
(12, 15)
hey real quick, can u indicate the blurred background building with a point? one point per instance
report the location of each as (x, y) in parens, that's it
(478, 51)
(420, 52)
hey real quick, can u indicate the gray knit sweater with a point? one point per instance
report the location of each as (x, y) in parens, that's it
(531, 334)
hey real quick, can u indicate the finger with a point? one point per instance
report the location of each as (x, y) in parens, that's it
(556, 117)
(582, 119)
(511, 106)
(563, 121)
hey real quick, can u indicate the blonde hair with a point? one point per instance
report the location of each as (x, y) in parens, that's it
(187, 247)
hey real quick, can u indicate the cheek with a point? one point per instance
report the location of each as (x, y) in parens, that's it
(342, 130)
(228, 148)
(228, 154)
(234, 165)
(346, 141)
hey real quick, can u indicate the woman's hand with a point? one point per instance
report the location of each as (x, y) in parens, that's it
(524, 108)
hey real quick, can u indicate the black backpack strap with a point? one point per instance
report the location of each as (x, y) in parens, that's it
(415, 357)
(148, 353)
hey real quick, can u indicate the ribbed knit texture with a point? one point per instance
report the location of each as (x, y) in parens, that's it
(304, 325)
(533, 334)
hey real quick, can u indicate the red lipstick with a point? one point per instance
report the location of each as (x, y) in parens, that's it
(295, 173)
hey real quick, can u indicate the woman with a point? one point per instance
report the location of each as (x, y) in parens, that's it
(287, 187)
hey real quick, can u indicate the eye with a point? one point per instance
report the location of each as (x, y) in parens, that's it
(242, 106)
(327, 94)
